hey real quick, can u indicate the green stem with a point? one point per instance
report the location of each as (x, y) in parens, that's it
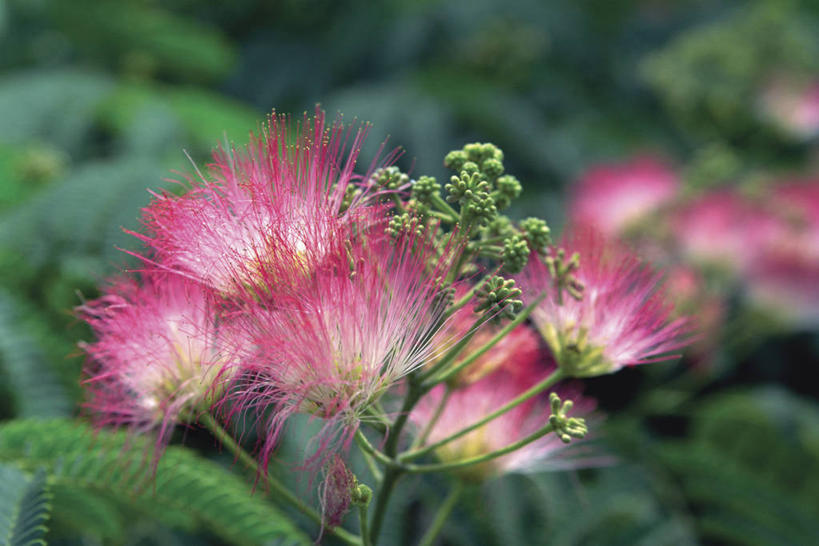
(362, 518)
(419, 441)
(371, 450)
(553, 378)
(391, 475)
(445, 207)
(522, 316)
(373, 468)
(442, 467)
(276, 486)
(441, 516)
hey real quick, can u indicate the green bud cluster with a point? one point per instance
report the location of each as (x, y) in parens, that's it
(508, 188)
(499, 295)
(390, 178)
(471, 191)
(565, 427)
(480, 186)
(562, 272)
(500, 226)
(405, 223)
(425, 189)
(515, 254)
(537, 234)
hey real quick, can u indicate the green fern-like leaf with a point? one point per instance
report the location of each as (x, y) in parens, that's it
(33, 387)
(184, 491)
(749, 468)
(24, 507)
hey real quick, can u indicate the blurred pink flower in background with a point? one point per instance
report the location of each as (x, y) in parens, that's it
(792, 106)
(723, 229)
(785, 278)
(614, 196)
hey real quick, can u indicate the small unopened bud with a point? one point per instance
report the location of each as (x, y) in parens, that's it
(537, 233)
(425, 188)
(455, 160)
(361, 495)
(499, 295)
(492, 168)
(515, 254)
(507, 188)
(565, 427)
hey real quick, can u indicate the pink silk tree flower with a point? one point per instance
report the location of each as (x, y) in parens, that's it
(352, 332)
(613, 197)
(785, 276)
(160, 356)
(468, 403)
(624, 317)
(270, 206)
(723, 229)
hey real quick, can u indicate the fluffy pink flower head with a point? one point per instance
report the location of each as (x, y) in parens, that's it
(723, 229)
(469, 403)
(522, 343)
(353, 331)
(159, 356)
(622, 319)
(615, 196)
(269, 206)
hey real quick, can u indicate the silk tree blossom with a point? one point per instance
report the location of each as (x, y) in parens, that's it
(785, 276)
(354, 330)
(160, 356)
(272, 205)
(468, 403)
(613, 197)
(724, 229)
(624, 317)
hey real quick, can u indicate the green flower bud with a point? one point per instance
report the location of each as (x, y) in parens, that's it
(405, 223)
(500, 296)
(565, 427)
(537, 234)
(361, 495)
(455, 160)
(492, 168)
(425, 188)
(515, 254)
(390, 178)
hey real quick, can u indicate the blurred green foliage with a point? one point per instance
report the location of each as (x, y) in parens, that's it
(99, 99)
